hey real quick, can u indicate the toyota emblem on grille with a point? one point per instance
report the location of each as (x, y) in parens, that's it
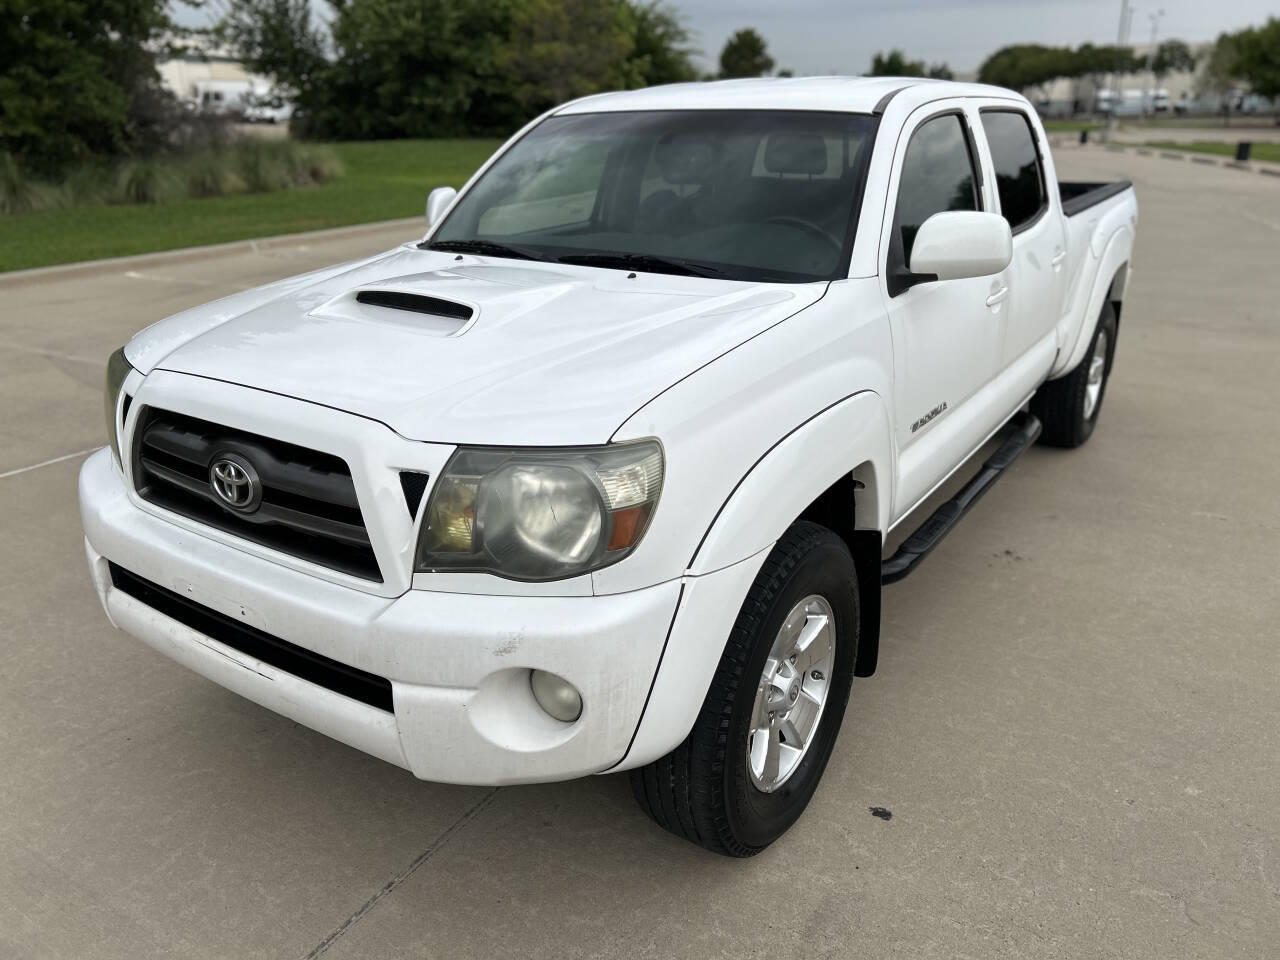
(235, 483)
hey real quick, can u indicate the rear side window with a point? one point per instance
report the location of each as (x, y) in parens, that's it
(1019, 176)
(937, 175)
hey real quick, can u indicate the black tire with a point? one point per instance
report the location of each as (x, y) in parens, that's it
(1060, 404)
(703, 790)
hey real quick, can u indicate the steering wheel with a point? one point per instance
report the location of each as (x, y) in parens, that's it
(809, 227)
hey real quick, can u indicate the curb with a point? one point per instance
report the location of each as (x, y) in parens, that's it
(1261, 166)
(88, 268)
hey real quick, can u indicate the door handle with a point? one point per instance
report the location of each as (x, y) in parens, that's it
(1058, 258)
(998, 297)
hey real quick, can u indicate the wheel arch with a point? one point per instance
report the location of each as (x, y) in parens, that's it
(842, 455)
(1109, 286)
(834, 469)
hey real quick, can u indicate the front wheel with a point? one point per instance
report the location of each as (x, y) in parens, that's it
(1069, 406)
(761, 742)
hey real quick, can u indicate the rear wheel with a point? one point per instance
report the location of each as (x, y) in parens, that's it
(1069, 406)
(761, 742)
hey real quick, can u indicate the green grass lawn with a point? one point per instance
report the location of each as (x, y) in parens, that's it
(1269, 152)
(383, 181)
(1072, 126)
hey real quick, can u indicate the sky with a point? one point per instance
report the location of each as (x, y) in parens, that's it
(841, 36)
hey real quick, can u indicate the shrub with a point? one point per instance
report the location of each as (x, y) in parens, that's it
(18, 194)
(147, 181)
(88, 186)
(321, 163)
(211, 173)
(251, 164)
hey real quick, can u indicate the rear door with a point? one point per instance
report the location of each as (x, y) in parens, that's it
(947, 339)
(1036, 276)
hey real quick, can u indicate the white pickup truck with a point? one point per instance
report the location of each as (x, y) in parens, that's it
(598, 476)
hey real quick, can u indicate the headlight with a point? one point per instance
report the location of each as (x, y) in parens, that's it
(117, 369)
(540, 514)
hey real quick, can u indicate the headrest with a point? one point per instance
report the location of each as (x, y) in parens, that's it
(795, 153)
(686, 158)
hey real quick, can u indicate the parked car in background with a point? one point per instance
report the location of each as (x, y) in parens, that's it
(222, 97)
(598, 475)
(266, 108)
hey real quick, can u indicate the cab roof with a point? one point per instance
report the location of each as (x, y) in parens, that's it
(843, 94)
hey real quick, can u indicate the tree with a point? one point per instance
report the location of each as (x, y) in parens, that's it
(429, 68)
(745, 54)
(79, 80)
(1172, 56)
(895, 64)
(569, 48)
(661, 51)
(1259, 58)
(1221, 73)
(276, 38)
(1023, 66)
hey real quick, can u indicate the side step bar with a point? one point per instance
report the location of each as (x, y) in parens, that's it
(943, 520)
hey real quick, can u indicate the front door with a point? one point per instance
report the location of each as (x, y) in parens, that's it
(947, 338)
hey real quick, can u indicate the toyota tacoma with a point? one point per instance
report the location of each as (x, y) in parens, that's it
(599, 475)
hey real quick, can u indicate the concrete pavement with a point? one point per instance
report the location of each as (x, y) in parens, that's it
(1075, 723)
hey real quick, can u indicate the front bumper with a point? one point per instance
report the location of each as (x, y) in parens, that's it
(458, 663)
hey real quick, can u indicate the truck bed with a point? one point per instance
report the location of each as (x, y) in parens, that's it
(1080, 195)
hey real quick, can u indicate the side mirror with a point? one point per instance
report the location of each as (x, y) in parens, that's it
(962, 243)
(438, 202)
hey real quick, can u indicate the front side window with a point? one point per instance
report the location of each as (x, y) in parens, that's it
(1019, 176)
(760, 195)
(937, 176)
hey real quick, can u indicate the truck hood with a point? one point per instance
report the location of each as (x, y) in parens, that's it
(550, 354)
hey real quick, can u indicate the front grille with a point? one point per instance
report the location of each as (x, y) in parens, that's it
(308, 502)
(302, 663)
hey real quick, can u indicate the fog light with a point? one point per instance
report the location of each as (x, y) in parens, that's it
(556, 695)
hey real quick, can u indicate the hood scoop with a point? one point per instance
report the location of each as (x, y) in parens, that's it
(415, 303)
(433, 316)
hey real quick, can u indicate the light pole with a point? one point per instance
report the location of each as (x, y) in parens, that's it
(1122, 38)
(1151, 57)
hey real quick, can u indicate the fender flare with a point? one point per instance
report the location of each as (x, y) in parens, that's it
(1112, 275)
(794, 472)
(851, 439)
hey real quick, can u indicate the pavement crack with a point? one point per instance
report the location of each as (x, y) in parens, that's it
(48, 463)
(438, 843)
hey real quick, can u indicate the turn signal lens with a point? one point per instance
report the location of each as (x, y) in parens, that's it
(118, 368)
(628, 524)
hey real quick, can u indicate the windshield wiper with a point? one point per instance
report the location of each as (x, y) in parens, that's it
(487, 248)
(642, 262)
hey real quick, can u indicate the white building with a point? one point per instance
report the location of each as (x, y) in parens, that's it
(211, 79)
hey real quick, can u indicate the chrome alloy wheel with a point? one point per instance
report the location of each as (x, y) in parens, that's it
(792, 692)
(1097, 371)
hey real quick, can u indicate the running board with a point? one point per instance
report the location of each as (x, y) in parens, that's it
(943, 520)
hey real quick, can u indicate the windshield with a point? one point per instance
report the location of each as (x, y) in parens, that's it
(763, 195)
